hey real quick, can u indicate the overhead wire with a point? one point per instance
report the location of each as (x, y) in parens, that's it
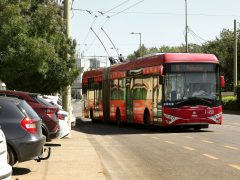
(165, 13)
(101, 14)
(199, 39)
(108, 17)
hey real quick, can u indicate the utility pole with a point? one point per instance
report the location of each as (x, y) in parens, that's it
(235, 57)
(186, 27)
(66, 96)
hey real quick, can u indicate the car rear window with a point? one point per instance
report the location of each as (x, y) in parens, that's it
(26, 109)
(41, 100)
(9, 110)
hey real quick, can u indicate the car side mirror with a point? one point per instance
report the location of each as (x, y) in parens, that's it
(222, 81)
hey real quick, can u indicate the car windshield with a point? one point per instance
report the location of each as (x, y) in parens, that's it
(184, 85)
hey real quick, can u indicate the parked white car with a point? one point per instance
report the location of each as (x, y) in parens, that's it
(63, 123)
(62, 115)
(5, 168)
(57, 101)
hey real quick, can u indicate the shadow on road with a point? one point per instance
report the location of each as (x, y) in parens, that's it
(20, 171)
(88, 127)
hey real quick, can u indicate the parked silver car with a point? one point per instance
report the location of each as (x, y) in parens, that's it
(5, 168)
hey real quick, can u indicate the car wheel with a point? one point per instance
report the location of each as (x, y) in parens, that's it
(11, 159)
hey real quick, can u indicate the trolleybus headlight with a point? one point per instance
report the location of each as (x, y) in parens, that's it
(216, 117)
(172, 118)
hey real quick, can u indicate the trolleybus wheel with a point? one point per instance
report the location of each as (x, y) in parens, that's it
(147, 120)
(91, 115)
(118, 118)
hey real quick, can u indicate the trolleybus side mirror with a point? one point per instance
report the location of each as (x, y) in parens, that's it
(222, 81)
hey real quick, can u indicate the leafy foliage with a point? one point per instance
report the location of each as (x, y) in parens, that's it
(223, 48)
(237, 91)
(230, 103)
(35, 53)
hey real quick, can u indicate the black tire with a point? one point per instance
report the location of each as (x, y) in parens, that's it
(197, 128)
(91, 116)
(45, 133)
(118, 118)
(11, 159)
(147, 120)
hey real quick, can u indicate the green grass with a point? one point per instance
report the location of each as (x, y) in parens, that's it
(230, 103)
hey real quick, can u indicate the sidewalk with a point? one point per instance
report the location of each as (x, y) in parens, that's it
(76, 159)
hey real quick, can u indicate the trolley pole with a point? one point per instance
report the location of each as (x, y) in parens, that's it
(66, 96)
(235, 57)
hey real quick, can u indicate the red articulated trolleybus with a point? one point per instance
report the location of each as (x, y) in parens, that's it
(165, 89)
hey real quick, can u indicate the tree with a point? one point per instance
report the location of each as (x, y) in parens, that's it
(222, 47)
(34, 48)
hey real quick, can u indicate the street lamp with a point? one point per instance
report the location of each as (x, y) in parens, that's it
(140, 46)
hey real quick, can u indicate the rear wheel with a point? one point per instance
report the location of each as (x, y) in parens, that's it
(147, 120)
(118, 118)
(11, 159)
(91, 116)
(45, 133)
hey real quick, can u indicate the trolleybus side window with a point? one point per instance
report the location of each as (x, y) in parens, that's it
(137, 89)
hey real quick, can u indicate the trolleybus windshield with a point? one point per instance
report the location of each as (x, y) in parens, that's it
(189, 83)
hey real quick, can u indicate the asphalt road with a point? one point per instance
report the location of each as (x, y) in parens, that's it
(135, 153)
(104, 151)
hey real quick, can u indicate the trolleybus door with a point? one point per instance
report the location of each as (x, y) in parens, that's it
(157, 101)
(129, 102)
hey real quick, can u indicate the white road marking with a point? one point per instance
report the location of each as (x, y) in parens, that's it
(155, 137)
(231, 147)
(206, 141)
(143, 134)
(169, 142)
(189, 148)
(235, 166)
(210, 156)
(189, 137)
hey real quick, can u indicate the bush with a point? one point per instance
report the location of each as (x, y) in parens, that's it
(237, 91)
(230, 103)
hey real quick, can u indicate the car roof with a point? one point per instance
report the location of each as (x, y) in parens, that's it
(17, 92)
(13, 99)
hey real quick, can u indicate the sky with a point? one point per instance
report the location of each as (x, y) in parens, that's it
(159, 22)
